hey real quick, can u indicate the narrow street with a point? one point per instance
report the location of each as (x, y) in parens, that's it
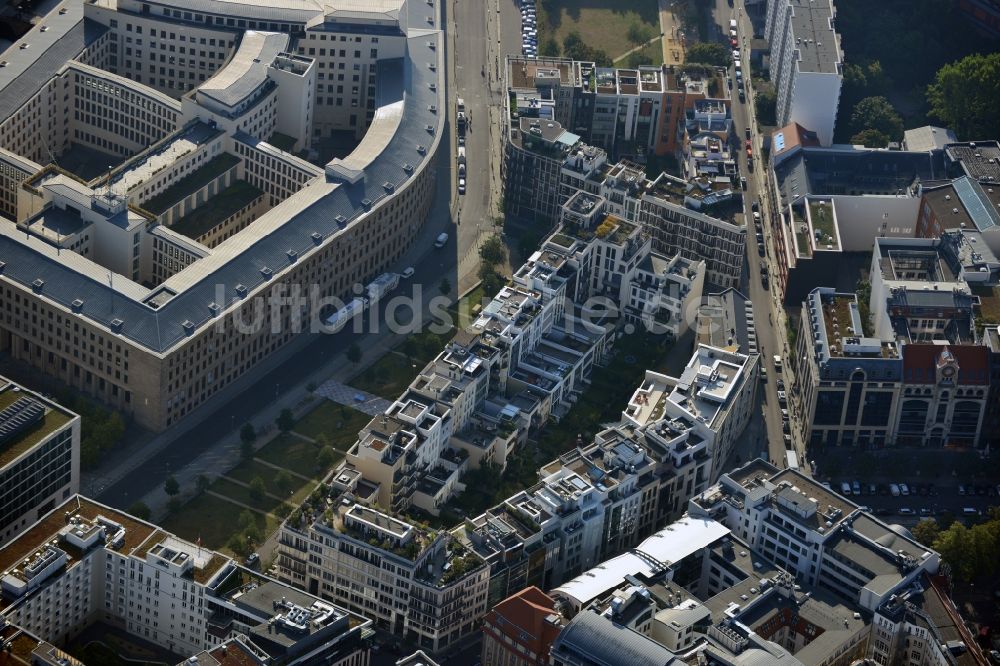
(768, 314)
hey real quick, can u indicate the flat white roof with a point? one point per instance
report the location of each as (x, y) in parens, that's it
(672, 544)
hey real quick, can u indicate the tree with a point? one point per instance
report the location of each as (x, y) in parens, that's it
(549, 47)
(639, 59)
(444, 286)
(326, 457)
(870, 138)
(639, 33)
(493, 251)
(202, 483)
(283, 481)
(766, 105)
(926, 531)
(174, 504)
(257, 489)
(876, 113)
(964, 95)
(170, 486)
(248, 434)
(354, 353)
(574, 46)
(709, 53)
(409, 347)
(246, 450)
(285, 420)
(140, 510)
(492, 281)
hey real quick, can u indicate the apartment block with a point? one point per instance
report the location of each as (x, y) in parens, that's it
(418, 584)
(84, 562)
(39, 457)
(698, 590)
(806, 63)
(820, 537)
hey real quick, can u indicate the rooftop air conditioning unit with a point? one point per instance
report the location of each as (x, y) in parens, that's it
(116, 325)
(240, 290)
(266, 272)
(188, 327)
(317, 237)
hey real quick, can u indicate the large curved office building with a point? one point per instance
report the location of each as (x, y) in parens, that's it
(151, 284)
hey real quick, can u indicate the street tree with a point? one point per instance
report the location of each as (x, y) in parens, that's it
(140, 510)
(285, 420)
(354, 353)
(257, 489)
(170, 486)
(708, 53)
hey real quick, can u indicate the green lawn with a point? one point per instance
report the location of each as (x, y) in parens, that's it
(242, 494)
(292, 453)
(389, 376)
(213, 520)
(248, 469)
(603, 24)
(651, 54)
(191, 183)
(227, 202)
(338, 423)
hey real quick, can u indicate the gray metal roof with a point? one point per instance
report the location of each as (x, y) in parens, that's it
(408, 78)
(596, 640)
(28, 69)
(246, 71)
(815, 39)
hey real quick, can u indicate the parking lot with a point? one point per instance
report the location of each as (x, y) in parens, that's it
(939, 482)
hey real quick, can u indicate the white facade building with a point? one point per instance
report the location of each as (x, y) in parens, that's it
(806, 64)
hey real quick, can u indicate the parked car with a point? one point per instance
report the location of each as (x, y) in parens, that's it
(760, 249)
(755, 207)
(904, 489)
(441, 240)
(924, 511)
(408, 272)
(784, 413)
(746, 131)
(856, 487)
(743, 182)
(461, 185)
(905, 511)
(961, 489)
(845, 488)
(781, 384)
(782, 397)
(871, 489)
(894, 490)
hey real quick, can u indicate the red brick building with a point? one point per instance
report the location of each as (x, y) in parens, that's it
(519, 631)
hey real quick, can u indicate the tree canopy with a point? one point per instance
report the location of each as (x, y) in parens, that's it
(870, 138)
(876, 113)
(709, 53)
(964, 96)
(575, 48)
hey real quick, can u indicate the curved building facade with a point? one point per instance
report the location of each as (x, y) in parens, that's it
(101, 283)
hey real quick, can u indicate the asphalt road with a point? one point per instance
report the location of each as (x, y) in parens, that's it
(770, 335)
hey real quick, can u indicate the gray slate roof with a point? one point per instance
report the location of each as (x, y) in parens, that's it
(596, 640)
(159, 330)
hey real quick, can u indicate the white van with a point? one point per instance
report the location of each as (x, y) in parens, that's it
(777, 363)
(732, 24)
(441, 240)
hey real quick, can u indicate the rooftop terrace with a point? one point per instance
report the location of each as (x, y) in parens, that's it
(21, 429)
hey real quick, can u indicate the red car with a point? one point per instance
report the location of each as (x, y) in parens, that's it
(735, 43)
(748, 144)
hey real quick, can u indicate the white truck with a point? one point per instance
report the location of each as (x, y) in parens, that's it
(381, 286)
(344, 315)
